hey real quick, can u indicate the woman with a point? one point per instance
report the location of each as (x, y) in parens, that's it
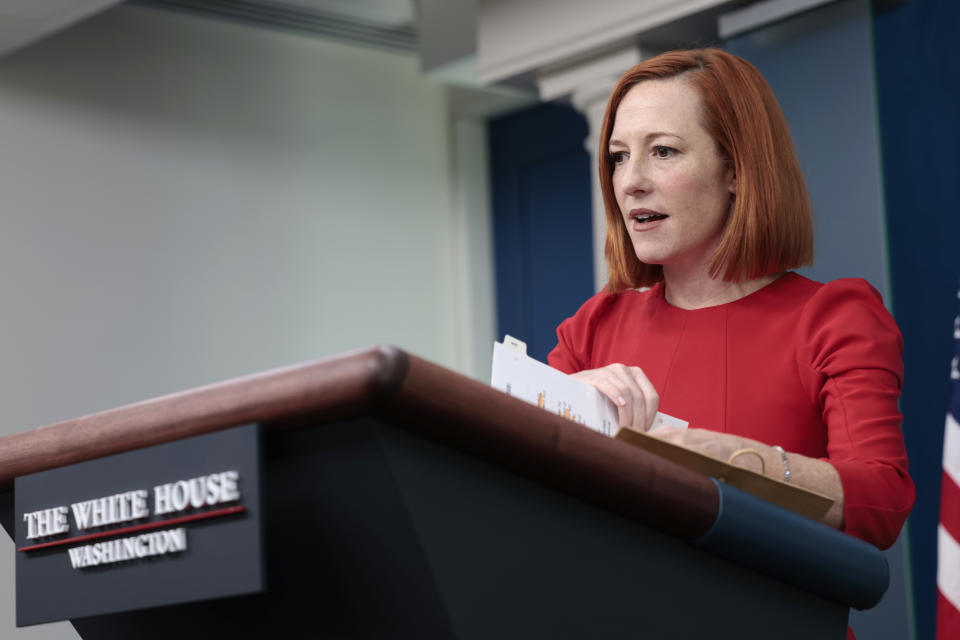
(706, 213)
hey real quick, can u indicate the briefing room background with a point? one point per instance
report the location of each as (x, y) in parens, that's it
(191, 196)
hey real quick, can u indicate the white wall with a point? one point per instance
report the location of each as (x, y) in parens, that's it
(186, 200)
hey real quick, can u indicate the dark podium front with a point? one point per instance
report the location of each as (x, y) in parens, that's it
(402, 500)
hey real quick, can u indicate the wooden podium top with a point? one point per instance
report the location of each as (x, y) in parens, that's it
(406, 391)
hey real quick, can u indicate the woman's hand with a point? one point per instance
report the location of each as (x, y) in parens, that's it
(629, 389)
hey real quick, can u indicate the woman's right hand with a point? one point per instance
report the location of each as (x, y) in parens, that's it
(629, 389)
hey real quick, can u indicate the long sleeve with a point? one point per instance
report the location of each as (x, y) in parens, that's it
(850, 361)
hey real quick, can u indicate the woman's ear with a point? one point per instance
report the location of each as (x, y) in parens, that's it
(733, 183)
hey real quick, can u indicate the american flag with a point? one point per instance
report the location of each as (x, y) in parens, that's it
(948, 533)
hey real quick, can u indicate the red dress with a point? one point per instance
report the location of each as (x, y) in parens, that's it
(814, 368)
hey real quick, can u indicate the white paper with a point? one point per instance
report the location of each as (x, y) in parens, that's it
(519, 375)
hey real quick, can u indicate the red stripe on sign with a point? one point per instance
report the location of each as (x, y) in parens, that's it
(948, 619)
(138, 527)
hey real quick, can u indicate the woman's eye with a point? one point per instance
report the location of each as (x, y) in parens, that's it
(661, 151)
(617, 157)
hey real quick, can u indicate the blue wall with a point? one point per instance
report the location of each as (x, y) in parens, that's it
(540, 173)
(918, 85)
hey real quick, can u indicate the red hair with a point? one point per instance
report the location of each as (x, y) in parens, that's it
(771, 225)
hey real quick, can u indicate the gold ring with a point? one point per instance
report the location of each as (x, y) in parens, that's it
(740, 452)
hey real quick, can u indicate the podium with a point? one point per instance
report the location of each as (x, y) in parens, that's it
(402, 500)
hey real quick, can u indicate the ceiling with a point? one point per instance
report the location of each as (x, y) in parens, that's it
(24, 21)
(388, 13)
(389, 24)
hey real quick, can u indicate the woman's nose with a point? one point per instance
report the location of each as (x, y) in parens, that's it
(636, 178)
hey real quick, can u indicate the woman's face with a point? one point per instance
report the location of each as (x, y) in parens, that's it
(673, 187)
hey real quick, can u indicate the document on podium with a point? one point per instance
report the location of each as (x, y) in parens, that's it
(519, 375)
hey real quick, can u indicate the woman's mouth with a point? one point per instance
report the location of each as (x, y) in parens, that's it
(642, 216)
